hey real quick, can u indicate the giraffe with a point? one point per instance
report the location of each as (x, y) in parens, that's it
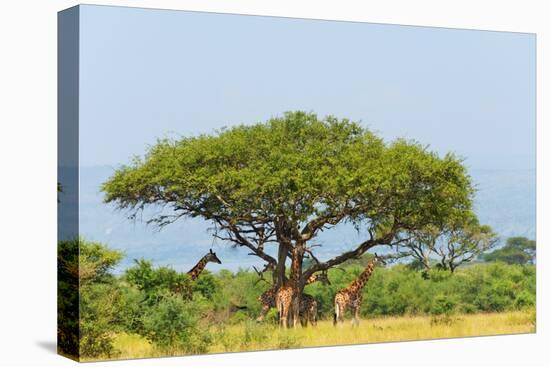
(268, 298)
(308, 310)
(197, 269)
(308, 304)
(352, 296)
(287, 299)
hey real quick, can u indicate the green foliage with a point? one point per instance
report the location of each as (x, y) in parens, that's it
(95, 262)
(148, 301)
(240, 289)
(455, 242)
(155, 283)
(99, 296)
(67, 298)
(300, 170)
(173, 325)
(517, 250)
(131, 307)
(525, 299)
(400, 290)
(208, 286)
(266, 163)
(98, 312)
(163, 309)
(443, 305)
(87, 298)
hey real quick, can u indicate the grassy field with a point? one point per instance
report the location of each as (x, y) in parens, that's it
(248, 336)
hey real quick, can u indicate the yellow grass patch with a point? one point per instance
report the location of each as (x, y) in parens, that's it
(248, 336)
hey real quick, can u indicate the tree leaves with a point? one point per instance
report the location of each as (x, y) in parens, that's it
(290, 177)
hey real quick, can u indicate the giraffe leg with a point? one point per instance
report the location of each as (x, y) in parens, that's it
(286, 316)
(295, 312)
(303, 320)
(336, 314)
(303, 316)
(284, 320)
(355, 314)
(339, 309)
(282, 316)
(313, 316)
(263, 312)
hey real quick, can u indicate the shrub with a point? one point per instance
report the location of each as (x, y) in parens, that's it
(155, 282)
(208, 285)
(525, 299)
(86, 286)
(67, 298)
(443, 305)
(173, 325)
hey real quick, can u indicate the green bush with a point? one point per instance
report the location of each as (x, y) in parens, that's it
(525, 299)
(98, 308)
(208, 285)
(154, 282)
(88, 295)
(443, 305)
(67, 298)
(177, 315)
(173, 325)
(131, 308)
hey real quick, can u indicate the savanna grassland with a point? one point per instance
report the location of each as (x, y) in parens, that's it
(250, 336)
(147, 311)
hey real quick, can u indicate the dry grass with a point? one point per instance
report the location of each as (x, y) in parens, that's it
(250, 336)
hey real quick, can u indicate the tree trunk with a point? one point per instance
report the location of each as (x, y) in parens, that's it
(297, 281)
(281, 267)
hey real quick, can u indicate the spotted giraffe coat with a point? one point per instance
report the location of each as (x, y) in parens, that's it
(352, 296)
(268, 298)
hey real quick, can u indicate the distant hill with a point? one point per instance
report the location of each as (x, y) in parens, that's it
(505, 200)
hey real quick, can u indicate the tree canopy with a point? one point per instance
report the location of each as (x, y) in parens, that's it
(281, 182)
(517, 250)
(457, 242)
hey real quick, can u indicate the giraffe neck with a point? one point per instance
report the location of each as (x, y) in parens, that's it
(312, 279)
(358, 284)
(197, 269)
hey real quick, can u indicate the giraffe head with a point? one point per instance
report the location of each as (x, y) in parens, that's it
(378, 260)
(211, 257)
(323, 278)
(320, 277)
(372, 264)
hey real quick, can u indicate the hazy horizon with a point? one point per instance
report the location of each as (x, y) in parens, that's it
(147, 74)
(505, 200)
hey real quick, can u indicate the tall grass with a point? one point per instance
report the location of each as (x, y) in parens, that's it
(249, 336)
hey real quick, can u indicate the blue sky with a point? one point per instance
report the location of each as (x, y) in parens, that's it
(147, 74)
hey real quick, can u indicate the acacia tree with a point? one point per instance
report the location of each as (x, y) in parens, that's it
(280, 183)
(517, 250)
(449, 246)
